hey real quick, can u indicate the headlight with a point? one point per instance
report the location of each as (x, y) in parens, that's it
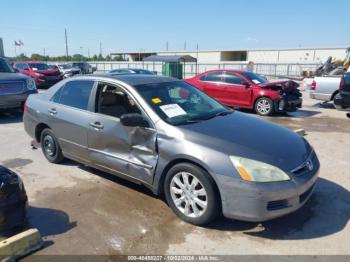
(31, 84)
(255, 171)
(38, 74)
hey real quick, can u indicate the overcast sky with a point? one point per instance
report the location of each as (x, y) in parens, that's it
(149, 24)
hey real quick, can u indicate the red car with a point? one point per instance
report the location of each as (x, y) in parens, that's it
(245, 89)
(43, 75)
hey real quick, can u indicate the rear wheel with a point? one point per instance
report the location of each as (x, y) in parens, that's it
(50, 147)
(264, 106)
(191, 194)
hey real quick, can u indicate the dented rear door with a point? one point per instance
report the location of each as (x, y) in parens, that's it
(130, 151)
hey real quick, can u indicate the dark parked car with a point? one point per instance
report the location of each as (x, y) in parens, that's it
(245, 89)
(14, 87)
(13, 201)
(126, 71)
(342, 99)
(173, 138)
(84, 67)
(43, 74)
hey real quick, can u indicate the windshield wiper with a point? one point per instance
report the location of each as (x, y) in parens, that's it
(189, 121)
(222, 113)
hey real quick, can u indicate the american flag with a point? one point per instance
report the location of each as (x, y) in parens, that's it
(18, 43)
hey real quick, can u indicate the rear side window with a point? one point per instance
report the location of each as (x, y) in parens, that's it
(233, 79)
(74, 94)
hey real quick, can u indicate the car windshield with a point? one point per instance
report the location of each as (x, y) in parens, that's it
(143, 72)
(39, 66)
(179, 103)
(5, 67)
(256, 79)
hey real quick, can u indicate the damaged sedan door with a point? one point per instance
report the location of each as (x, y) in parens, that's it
(127, 149)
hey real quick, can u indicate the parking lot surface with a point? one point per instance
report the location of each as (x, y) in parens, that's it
(79, 210)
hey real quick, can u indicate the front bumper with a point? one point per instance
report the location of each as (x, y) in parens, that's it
(342, 100)
(258, 202)
(15, 100)
(288, 104)
(47, 82)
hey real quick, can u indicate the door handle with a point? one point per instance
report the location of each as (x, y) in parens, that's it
(97, 125)
(53, 111)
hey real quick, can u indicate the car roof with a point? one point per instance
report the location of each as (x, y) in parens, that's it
(226, 70)
(136, 79)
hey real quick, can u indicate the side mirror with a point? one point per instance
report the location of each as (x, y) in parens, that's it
(246, 84)
(133, 120)
(16, 70)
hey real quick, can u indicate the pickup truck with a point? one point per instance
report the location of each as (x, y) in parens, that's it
(342, 99)
(325, 88)
(14, 87)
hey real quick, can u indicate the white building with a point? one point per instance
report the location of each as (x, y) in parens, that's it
(296, 55)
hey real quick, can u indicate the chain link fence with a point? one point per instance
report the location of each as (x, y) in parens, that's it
(269, 70)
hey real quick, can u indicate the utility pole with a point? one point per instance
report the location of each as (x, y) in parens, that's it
(65, 34)
(100, 48)
(185, 45)
(167, 46)
(197, 48)
(89, 53)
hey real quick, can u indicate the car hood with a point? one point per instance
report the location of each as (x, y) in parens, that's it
(286, 85)
(48, 72)
(250, 137)
(12, 77)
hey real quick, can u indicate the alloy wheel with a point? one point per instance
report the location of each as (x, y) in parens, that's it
(263, 106)
(188, 194)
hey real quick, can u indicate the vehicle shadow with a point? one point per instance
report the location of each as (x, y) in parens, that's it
(49, 221)
(327, 212)
(300, 113)
(11, 116)
(328, 105)
(110, 177)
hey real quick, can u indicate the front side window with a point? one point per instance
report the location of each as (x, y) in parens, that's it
(114, 101)
(233, 79)
(74, 94)
(255, 78)
(179, 103)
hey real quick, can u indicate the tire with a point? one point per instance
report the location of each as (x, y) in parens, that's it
(264, 106)
(202, 192)
(50, 147)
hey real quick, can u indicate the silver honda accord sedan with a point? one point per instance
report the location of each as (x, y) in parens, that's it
(163, 133)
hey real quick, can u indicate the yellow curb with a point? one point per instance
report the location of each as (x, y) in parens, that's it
(20, 245)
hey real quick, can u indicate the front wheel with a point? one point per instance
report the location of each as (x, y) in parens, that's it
(191, 194)
(264, 106)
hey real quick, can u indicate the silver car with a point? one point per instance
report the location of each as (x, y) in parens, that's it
(169, 136)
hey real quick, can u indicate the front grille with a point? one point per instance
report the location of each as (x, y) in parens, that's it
(306, 194)
(276, 205)
(11, 88)
(307, 167)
